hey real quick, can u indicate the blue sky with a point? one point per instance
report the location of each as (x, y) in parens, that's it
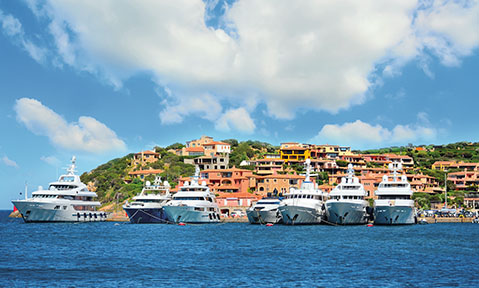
(102, 79)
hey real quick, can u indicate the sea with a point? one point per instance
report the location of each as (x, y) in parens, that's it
(112, 254)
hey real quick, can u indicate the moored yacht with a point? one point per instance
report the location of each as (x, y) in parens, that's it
(304, 205)
(346, 205)
(394, 205)
(66, 200)
(265, 211)
(147, 207)
(193, 203)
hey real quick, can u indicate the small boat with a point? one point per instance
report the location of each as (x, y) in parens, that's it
(422, 221)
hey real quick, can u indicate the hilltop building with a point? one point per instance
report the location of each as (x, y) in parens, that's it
(144, 157)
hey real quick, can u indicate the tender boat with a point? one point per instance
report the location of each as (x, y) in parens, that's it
(394, 205)
(66, 200)
(193, 203)
(265, 211)
(346, 205)
(147, 207)
(304, 205)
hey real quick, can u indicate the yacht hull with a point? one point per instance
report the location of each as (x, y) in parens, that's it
(263, 217)
(45, 212)
(146, 215)
(188, 214)
(394, 215)
(346, 213)
(299, 215)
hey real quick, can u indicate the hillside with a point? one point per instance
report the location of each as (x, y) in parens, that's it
(113, 184)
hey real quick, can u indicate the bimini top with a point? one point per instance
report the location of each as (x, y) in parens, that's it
(68, 184)
(394, 184)
(349, 186)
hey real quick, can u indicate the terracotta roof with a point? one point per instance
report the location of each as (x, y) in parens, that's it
(282, 176)
(149, 152)
(268, 160)
(443, 162)
(195, 149)
(216, 143)
(464, 164)
(221, 187)
(294, 148)
(146, 172)
(227, 170)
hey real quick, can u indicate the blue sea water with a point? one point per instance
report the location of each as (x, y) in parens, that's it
(236, 255)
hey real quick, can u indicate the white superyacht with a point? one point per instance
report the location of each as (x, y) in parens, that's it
(394, 205)
(66, 200)
(304, 205)
(193, 203)
(147, 207)
(346, 205)
(265, 211)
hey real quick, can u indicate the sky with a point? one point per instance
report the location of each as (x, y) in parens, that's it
(101, 79)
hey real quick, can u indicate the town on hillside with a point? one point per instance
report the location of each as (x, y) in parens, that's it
(275, 171)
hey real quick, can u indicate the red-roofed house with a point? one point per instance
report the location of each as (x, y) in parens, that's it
(225, 180)
(194, 151)
(143, 173)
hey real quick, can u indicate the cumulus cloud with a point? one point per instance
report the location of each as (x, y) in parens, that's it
(87, 134)
(9, 162)
(51, 160)
(361, 134)
(318, 55)
(205, 106)
(13, 28)
(236, 119)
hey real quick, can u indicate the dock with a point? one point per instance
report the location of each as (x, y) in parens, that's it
(432, 220)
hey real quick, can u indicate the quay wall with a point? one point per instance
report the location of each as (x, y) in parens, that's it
(448, 220)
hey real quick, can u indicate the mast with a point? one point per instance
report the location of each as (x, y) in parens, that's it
(26, 190)
(308, 170)
(445, 190)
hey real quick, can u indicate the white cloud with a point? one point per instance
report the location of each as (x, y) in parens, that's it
(205, 106)
(236, 119)
(449, 29)
(9, 162)
(51, 160)
(13, 28)
(87, 134)
(361, 134)
(290, 55)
